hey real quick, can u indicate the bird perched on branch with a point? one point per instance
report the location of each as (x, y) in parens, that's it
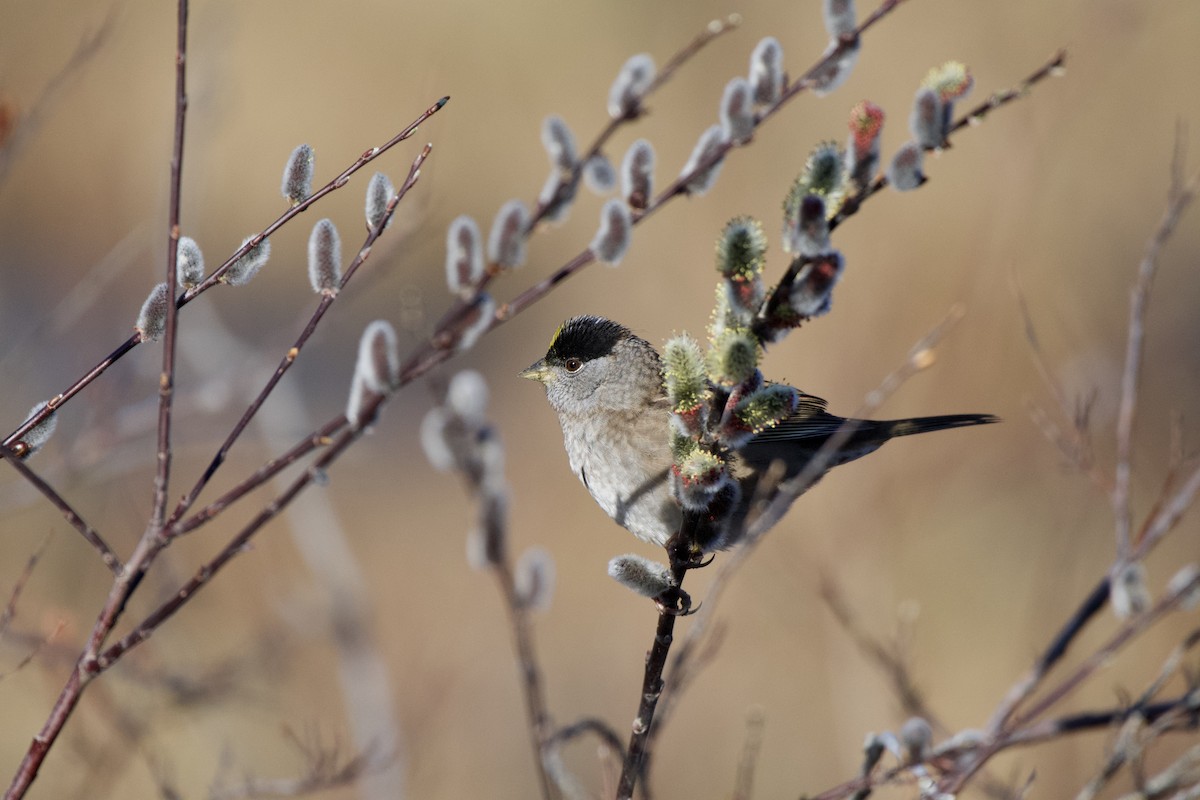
(606, 385)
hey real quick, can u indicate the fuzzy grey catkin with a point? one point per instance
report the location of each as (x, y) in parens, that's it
(298, 175)
(324, 258)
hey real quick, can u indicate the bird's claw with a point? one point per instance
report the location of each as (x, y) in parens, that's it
(676, 602)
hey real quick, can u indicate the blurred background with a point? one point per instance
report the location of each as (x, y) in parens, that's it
(975, 545)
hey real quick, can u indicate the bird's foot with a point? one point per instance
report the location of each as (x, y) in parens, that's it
(676, 602)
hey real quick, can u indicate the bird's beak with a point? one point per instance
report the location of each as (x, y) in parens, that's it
(537, 371)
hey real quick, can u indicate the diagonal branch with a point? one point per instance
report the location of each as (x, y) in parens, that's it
(107, 555)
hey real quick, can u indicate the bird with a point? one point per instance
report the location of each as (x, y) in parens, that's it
(606, 385)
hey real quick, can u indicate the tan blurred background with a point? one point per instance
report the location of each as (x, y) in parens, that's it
(982, 538)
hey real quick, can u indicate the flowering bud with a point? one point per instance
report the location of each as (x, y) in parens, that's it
(873, 749)
(324, 258)
(647, 578)
(905, 172)
(493, 527)
(733, 357)
(1128, 593)
(698, 479)
(506, 242)
(189, 263)
(559, 143)
(152, 319)
(952, 81)
(812, 291)
(764, 408)
(862, 153)
(742, 249)
(839, 17)
(707, 147)
(39, 434)
(737, 111)
(375, 371)
(378, 364)
(247, 266)
(467, 396)
(379, 193)
(824, 171)
(533, 579)
(615, 233)
(684, 374)
(298, 175)
(634, 79)
(766, 71)
(833, 73)
(637, 174)
(916, 735)
(599, 175)
(435, 426)
(464, 256)
(808, 233)
(478, 319)
(1185, 581)
(925, 121)
(557, 195)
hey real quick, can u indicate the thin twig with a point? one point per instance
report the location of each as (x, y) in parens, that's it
(1179, 198)
(28, 125)
(531, 674)
(322, 437)
(743, 786)
(107, 555)
(166, 381)
(1076, 444)
(10, 608)
(886, 658)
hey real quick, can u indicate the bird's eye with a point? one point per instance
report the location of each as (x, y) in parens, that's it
(573, 364)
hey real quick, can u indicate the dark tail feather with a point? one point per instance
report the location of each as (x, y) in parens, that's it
(904, 427)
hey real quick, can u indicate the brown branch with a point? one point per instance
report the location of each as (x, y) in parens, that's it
(166, 381)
